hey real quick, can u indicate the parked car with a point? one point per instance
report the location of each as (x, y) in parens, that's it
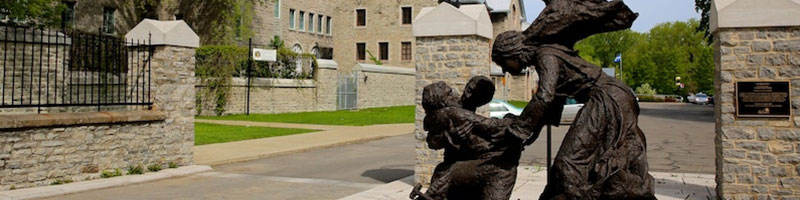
(499, 109)
(701, 99)
(691, 98)
(571, 109)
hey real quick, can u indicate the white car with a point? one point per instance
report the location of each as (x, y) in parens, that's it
(571, 109)
(499, 109)
(701, 99)
(691, 98)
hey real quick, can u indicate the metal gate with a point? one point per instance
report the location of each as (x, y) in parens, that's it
(347, 94)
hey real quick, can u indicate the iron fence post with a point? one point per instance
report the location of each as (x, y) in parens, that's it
(549, 153)
(249, 65)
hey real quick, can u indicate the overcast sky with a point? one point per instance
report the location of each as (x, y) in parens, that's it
(651, 12)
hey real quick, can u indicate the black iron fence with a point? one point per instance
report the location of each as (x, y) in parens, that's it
(49, 69)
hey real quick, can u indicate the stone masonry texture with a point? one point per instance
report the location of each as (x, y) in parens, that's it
(385, 90)
(320, 94)
(757, 158)
(453, 59)
(39, 156)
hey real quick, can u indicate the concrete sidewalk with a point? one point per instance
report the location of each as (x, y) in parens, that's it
(329, 136)
(531, 182)
(82, 186)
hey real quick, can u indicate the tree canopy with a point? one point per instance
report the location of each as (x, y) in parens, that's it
(39, 13)
(704, 8)
(656, 58)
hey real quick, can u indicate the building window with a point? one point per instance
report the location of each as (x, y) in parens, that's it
(68, 18)
(277, 11)
(328, 26)
(108, 20)
(406, 50)
(384, 48)
(361, 51)
(310, 22)
(302, 21)
(298, 65)
(361, 17)
(319, 23)
(291, 18)
(406, 15)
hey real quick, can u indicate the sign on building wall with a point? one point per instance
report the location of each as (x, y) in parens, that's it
(265, 55)
(763, 99)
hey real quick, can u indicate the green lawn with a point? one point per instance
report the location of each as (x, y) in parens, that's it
(365, 117)
(213, 133)
(518, 104)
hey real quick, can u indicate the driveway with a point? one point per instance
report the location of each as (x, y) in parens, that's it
(323, 174)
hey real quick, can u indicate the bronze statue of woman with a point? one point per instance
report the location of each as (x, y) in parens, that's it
(603, 155)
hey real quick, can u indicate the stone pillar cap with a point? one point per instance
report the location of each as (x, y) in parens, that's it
(173, 33)
(327, 64)
(446, 20)
(754, 13)
(363, 67)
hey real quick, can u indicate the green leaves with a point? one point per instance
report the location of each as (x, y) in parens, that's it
(38, 13)
(655, 58)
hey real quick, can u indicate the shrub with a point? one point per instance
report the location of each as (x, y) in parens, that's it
(61, 181)
(172, 165)
(154, 167)
(644, 98)
(135, 170)
(646, 89)
(111, 173)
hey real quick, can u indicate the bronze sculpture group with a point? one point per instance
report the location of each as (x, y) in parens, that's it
(603, 155)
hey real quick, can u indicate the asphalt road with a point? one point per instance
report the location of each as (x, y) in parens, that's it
(323, 174)
(680, 138)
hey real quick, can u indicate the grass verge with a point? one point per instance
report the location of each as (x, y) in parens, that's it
(518, 104)
(212, 133)
(365, 117)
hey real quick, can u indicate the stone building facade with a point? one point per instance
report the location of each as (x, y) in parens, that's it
(757, 158)
(114, 17)
(384, 24)
(294, 23)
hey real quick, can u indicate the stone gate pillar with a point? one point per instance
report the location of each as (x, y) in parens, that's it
(173, 82)
(452, 45)
(757, 46)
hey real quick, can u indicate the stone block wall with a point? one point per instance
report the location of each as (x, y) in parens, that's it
(267, 97)
(38, 150)
(453, 59)
(757, 158)
(377, 89)
(25, 52)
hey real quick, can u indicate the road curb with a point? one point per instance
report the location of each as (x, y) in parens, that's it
(55, 190)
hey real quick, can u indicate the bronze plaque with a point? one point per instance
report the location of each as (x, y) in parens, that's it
(763, 99)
